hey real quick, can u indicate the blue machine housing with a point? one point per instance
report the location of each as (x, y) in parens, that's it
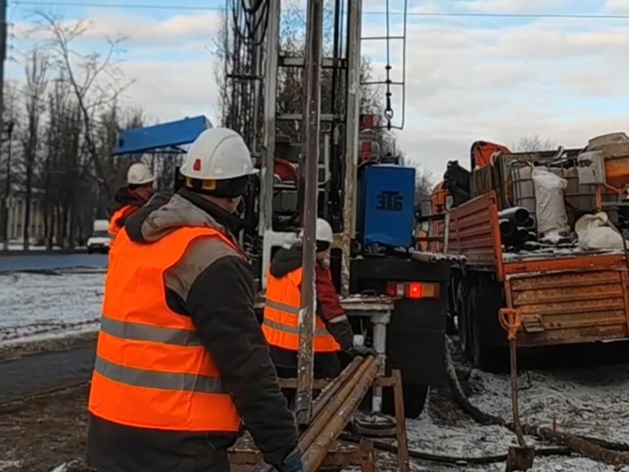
(386, 212)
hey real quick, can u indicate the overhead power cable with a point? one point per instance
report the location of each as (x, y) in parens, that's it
(147, 6)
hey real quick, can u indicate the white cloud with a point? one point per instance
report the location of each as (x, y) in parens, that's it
(168, 91)
(617, 7)
(512, 6)
(138, 30)
(464, 82)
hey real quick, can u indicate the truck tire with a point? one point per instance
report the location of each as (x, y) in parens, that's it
(414, 400)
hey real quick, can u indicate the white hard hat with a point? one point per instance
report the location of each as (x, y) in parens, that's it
(139, 174)
(218, 154)
(324, 232)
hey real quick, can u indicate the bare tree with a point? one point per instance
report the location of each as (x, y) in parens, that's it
(534, 143)
(34, 93)
(11, 119)
(95, 79)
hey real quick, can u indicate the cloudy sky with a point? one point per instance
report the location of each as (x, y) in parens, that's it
(475, 69)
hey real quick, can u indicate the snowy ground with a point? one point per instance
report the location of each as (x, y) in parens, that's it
(39, 306)
(592, 401)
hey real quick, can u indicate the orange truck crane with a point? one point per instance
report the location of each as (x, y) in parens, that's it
(569, 282)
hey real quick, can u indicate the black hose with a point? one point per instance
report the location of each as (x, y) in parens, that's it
(441, 459)
(594, 449)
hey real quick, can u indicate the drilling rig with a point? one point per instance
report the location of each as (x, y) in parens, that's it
(320, 155)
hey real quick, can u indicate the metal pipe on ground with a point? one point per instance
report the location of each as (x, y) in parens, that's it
(518, 215)
(316, 452)
(331, 390)
(329, 411)
(327, 407)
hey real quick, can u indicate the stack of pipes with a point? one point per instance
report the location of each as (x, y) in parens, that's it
(516, 226)
(332, 410)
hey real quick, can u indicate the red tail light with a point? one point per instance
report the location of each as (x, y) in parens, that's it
(412, 290)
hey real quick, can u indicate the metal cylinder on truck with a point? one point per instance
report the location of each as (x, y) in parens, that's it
(518, 215)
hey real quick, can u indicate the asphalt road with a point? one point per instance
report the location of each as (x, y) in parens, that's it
(44, 262)
(41, 372)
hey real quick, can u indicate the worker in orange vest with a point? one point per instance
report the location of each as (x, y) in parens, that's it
(133, 196)
(333, 332)
(181, 359)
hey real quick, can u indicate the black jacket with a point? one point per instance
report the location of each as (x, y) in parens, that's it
(219, 298)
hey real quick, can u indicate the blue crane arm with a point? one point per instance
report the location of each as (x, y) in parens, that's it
(163, 137)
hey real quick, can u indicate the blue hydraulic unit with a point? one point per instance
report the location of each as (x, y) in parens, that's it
(386, 213)
(162, 138)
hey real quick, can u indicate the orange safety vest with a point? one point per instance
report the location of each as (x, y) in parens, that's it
(281, 315)
(122, 213)
(151, 369)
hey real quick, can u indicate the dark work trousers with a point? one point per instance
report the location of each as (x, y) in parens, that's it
(116, 448)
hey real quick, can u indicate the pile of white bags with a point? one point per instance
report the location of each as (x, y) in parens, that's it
(596, 232)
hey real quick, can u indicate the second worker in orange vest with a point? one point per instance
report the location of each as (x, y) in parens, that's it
(333, 332)
(181, 358)
(131, 198)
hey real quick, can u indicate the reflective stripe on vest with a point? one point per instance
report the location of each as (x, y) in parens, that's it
(151, 369)
(281, 315)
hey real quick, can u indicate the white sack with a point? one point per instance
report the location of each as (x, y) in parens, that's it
(595, 232)
(550, 208)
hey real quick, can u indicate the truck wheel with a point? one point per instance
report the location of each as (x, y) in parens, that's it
(414, 400)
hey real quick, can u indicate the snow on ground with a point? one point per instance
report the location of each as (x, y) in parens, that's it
(13, 246)
(38, 306)
(8, 465)
(465, 438)
(591, 402)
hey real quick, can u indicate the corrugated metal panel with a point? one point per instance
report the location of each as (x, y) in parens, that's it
(572, 306)
(473, 231)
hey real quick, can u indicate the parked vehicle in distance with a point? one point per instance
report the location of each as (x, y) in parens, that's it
(100, 239)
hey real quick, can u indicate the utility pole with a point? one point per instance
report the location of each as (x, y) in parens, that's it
(311, 126)
(3, 54)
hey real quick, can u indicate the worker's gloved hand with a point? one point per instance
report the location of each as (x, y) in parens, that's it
(292, 463)
(362, 351)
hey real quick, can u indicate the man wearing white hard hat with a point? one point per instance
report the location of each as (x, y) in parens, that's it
(181, 360)
(132, 197)
(333, 332)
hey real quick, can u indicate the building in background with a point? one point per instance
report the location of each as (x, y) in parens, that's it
(16, 213)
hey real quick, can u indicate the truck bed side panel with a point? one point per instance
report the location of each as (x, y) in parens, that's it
(571, 306)
(474, 232)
